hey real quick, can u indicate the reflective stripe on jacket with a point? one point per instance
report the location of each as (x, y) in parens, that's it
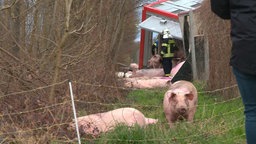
(167, 49)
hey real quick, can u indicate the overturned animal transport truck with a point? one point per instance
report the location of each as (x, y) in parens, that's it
(177, 16)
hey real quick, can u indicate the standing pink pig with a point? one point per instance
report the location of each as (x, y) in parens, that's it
(180, 102)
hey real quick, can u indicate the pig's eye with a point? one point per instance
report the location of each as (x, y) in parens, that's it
(88, 125)
(172, 98)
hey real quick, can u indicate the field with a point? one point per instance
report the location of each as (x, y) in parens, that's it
(217, 120)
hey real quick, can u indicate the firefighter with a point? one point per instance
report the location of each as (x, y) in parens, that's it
(168, 47)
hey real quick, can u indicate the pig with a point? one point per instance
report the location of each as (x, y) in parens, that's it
(135, 72)
(151, 73)
(180, 102)
(148, 73)
(140, 83)
(94, 124)
(157, 72)
(155, 62)
(124, 74)
(134, 67)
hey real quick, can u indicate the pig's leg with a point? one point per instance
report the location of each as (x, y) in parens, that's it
(171, 125)
(191, 114)
(170, 120)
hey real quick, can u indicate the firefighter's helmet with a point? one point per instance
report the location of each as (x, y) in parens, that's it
(166, 34)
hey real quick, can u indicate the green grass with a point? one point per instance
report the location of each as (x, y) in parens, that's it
(216, 122)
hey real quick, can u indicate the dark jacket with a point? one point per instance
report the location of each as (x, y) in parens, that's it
(154, 48)
(242, 14)
(168, 47)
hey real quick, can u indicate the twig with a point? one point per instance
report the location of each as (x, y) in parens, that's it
(8, 6)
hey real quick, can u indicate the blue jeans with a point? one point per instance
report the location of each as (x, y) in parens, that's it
(247, 87)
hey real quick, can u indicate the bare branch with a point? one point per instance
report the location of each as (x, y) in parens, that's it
(59, 49)
(68, 7)
(76, 32)
(12, 56)
(8, 6)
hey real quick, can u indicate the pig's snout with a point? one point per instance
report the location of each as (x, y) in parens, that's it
(182, 110)
(182, 113)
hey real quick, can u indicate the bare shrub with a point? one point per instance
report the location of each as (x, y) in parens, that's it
(45, 43)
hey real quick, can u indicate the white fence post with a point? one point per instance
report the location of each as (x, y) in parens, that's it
(74, 111)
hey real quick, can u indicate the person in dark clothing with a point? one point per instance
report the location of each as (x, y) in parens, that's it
(242, 14)
(167, 52)
(155, 48)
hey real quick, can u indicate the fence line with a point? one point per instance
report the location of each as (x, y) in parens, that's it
(172, 138)
(220, 89)
(39, 128)
(156, 106)
(34, 110)
(99, 85)
(213, 132)
(33, 90)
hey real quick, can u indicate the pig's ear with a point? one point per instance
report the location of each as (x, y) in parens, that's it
(169, 83)
(190, 96)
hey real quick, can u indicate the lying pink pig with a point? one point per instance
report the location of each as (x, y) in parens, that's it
(94, 124)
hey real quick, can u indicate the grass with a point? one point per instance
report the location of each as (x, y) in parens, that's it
(216, 122)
